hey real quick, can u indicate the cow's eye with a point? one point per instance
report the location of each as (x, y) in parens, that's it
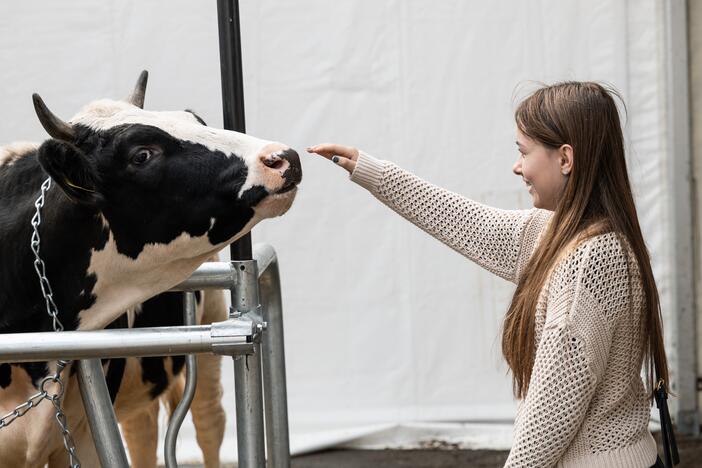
(141, 155)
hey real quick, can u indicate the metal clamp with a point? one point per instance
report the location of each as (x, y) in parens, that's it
(229, 336)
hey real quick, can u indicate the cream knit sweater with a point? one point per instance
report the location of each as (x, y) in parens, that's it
(586, 405)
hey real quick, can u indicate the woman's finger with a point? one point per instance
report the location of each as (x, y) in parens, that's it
(346, 163)
(330, 149)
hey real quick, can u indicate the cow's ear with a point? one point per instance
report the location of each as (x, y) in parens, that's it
(72, 170)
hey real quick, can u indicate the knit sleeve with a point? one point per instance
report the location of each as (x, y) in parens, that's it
(587, 292)
(499, 240)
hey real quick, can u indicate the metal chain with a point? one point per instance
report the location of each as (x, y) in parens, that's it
(39, 266)
(56, 396)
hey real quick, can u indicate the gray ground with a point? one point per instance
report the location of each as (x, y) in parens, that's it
(690, 454)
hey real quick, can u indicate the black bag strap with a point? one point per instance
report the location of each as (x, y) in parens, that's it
(670, 446)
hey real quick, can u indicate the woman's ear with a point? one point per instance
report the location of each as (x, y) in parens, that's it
(565, 155)
(72, 171)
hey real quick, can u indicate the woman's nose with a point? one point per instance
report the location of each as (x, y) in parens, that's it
(517, 168)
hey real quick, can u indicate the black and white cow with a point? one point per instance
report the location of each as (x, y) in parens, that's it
(139, 200)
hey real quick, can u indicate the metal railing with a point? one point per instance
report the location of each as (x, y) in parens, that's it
(253, 336)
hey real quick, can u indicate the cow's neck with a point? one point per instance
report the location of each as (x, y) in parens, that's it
(68, 232)
(92, 282)
(123, 281)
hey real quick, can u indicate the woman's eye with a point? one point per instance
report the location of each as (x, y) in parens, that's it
(141, 156)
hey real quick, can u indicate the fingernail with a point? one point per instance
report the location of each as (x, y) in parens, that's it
(335, 159)
(308, 149)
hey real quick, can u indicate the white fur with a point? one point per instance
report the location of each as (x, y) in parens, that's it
(12, 152)
(123, 282)
(105, 114)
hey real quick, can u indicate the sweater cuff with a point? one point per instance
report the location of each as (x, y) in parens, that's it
(368, 171)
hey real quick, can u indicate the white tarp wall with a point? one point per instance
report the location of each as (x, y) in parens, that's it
(385, 327)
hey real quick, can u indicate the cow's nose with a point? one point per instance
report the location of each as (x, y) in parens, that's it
(294, 173)
(287, 163)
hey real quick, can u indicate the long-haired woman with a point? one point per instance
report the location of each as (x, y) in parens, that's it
(585, 315)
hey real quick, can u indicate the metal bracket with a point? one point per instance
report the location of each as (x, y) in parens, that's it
(229, 335)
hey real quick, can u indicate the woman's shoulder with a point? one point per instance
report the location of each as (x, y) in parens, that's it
(597, 260)
(603, 248)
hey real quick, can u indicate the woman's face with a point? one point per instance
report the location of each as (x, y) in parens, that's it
(543, 171)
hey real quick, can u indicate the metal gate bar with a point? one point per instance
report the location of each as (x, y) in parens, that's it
(189, 318)
(238, 336)
(158, 341)
(247, 372)
(101, 414)
(273, 356)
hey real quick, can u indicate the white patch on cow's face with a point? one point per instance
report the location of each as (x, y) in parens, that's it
(182, 125)
(14, 151)
(123, 282)
(274, 205)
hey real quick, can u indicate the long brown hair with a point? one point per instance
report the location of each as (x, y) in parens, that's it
(597, 198)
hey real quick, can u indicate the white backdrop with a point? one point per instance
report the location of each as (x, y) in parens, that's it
(388, 332)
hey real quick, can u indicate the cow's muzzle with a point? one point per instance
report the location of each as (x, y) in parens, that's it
(287, 164)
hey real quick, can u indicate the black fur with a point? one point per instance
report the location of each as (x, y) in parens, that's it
(179, 190)
(160, 311)
(5, 375)
(115, 367)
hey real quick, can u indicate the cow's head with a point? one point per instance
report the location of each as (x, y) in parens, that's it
(158, 176)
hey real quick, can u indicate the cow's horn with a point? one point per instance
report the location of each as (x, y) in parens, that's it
(137, 96)
(54, 126)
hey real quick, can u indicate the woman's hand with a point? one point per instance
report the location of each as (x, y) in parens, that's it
(344, 156)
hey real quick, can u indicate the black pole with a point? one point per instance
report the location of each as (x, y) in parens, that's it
(247, 371)
(232, 90)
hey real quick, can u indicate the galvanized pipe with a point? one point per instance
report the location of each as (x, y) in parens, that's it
(273, 357)
(159, 341)
(100, 414)
(210, 275)
(190, 317)
(247, 374)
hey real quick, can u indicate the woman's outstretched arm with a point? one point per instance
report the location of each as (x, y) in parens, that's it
(499, 240)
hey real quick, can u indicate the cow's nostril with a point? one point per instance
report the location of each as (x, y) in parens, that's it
(273, 161)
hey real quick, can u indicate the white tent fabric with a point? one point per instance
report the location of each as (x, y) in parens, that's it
(392, 339)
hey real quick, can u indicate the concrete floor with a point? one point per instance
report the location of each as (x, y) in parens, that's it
(401, 459)
(690, 456)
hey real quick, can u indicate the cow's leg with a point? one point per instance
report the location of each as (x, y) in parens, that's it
(141, 433)
(59, 459)
(207, 411)
(36, 434)
(85, 448)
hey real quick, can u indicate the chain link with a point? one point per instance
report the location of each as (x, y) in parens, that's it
(43, 394)
(39, 266)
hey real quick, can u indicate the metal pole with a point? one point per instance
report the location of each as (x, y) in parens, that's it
(229, 338)
(189, 316)
(683, 347)
(101, 414)
(247, 374)
(232, 90)
(273, 356)
(210, 275)
(247, 370)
